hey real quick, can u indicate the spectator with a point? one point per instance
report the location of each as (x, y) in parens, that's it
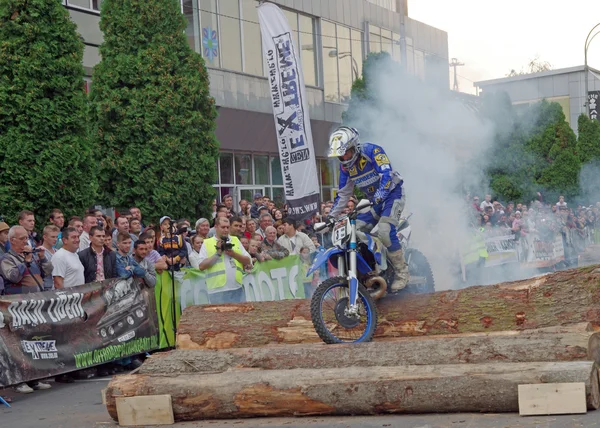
(197, 242)
(270, 249)
(171, 245)
(202, 227)
(228, 202)
(561, 202)
(263, 210)
(123, 258)
(27, 220)
(135, 227)
(108, 240)
(122, 227)
(279, 227)
(160, 262)
(221, 212)
(476, 205)
(307, 280)
(214, 208)
(57, 218)
(3, 238)
(245, 242)
(277, 215)
(68, 270)
(237, 227)
(251, 225)
(99, 217)
(265, 221)
(89, 221)
(244, 208)
(49, 238)
(350, 205)
(77, 224)
(487, 203)
(293, 240)
(326, 211)
(224, 266)
(21, 272)
(99, 262)
(258, 202)
(136, 213)
(142, 267)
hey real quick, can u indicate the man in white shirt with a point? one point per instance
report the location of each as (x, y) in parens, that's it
(89, 221)
(293, 240)
(487, 203)
(68, 270)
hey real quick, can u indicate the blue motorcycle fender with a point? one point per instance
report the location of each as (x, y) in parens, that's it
(322, 258)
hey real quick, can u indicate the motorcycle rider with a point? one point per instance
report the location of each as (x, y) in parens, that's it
(366, 166)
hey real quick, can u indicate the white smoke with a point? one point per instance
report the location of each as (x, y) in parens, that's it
(438, 144)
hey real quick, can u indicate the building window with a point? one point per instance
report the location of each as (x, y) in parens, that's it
(374, 39)
(192, 30)
(226, 168)
(243, 169)
(342, 60)
(210, 32)
(261, 170)
(307, 49)
(396, 53)
(230, 35)
(330, 62)
(276, 176)
(85, 4)
(253, 55)
(357, 54)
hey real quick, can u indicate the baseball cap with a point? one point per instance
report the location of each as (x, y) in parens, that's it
(166, 217)
(258, 195)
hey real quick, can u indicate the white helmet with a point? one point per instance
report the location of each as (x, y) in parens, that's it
(342, 140)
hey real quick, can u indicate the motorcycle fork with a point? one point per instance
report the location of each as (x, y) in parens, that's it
(352, 280)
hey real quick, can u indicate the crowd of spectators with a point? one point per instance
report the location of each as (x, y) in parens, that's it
(64, 253)
(537, 222)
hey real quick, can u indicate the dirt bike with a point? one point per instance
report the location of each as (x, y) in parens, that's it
(343, 307)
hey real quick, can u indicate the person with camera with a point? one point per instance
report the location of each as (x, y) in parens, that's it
(22, 273)
(172, 245)
(223, 258)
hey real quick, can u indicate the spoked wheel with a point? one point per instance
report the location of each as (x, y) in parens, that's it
(330, 316)
(421, 277)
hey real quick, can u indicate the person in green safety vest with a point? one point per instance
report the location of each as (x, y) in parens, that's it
(223, 258)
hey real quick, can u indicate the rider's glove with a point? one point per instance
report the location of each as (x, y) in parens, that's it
(379, 197)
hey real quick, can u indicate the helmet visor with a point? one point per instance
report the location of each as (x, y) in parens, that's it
(347, 156)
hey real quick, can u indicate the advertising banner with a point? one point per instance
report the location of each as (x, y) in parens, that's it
(501, 250)
(54, 332)
(290, 108)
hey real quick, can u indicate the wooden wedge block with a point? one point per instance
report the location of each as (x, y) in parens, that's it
(145, 410)
(552, 399)
(103, 392)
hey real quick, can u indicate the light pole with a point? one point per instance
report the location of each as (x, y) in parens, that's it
(586, 70)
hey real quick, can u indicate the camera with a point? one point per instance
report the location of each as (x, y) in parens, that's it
(34, 251)
(225, 244)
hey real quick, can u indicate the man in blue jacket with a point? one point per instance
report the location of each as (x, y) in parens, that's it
(367, 166)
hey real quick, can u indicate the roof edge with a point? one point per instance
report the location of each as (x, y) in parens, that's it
(577, 68)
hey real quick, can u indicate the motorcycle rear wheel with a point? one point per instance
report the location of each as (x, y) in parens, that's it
(327, 312)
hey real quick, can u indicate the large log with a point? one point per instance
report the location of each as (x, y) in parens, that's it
(510, 346)
(560, 298)
(353, 390)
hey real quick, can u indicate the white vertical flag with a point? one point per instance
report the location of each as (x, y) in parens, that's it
(292, 122)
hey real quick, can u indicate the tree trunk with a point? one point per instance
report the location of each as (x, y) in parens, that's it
(352, 390)
(560, 298)
(526, 346)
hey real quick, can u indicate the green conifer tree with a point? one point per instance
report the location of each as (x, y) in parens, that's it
(152, 113)
(45, 157)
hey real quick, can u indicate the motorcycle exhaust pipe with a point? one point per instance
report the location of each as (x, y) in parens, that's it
(377, 287)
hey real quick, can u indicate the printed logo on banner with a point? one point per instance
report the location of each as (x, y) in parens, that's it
(593, 104)
(53, 310)
(40, 349)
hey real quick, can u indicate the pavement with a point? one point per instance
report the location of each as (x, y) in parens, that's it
(79, 405)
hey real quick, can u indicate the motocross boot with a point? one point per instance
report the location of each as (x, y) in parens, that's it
(401, 268)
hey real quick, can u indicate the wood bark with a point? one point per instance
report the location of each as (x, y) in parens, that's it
(511, 346)
(565, 297)
(353, 390)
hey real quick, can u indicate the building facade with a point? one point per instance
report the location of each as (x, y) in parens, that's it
(565, 86)
(333, 38)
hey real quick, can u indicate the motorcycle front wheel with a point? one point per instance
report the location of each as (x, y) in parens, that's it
(328, 309)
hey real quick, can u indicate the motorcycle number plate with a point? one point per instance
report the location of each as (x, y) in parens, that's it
(339, 232)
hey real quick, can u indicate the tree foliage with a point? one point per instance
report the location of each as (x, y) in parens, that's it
(588, 141)
(45, 158)
(153, 116)
(535, 65)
